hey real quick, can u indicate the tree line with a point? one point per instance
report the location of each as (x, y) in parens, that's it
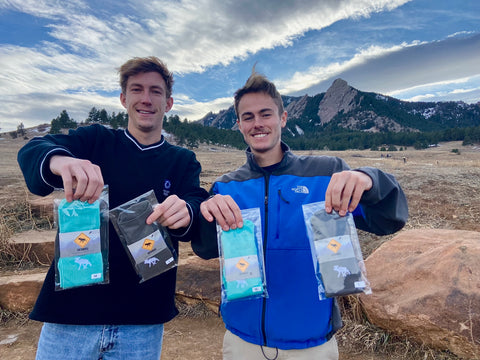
(191, 134)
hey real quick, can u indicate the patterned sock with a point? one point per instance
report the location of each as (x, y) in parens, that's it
(80, 270)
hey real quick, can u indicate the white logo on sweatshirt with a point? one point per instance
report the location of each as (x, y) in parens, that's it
(300, 189)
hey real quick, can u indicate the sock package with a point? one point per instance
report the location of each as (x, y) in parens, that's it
(241, 260)
(335, 251)
(81, 246)
(148, 245)
(241, 270)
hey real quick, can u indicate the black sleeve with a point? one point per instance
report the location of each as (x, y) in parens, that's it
(193, 195)
(205, 245)
(34, 157)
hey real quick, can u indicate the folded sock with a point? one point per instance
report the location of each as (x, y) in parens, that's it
(156, 264)
(341, 277)
(241, 271)
(132, 222)
(80, 270)
(327, 225)
(78, 216)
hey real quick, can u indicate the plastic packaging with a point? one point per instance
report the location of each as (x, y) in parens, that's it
(148, 245)
(81, 244)
(336, 252)
(241, 259)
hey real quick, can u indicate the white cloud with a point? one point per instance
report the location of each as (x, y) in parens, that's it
(465, 89)
(313, 75)
(195, 110)
(390, 70)
(76, 68)
(88, 44)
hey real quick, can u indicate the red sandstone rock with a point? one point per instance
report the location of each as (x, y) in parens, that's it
(426, 285)
(19, 292)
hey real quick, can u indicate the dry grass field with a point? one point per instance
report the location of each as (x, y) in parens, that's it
(443, 190)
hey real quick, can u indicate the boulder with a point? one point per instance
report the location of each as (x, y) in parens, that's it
(18, 292)
(426, 285)
(198, 280)
(35, 246)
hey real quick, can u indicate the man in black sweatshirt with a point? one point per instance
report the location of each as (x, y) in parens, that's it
(124, 318)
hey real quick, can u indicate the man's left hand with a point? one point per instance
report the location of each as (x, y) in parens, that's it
(345, 191)
(171, 213)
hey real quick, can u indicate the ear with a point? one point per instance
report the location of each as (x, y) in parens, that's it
(239, 124)
(123, 100)
(283, 119)
(169, 104)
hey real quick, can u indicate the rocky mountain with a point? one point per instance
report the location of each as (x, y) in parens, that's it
(349, 108)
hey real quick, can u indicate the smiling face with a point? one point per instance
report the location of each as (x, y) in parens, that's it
(146, 103)
(261, 126)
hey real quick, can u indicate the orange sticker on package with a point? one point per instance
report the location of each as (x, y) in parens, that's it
(82, 240)
(334, 245)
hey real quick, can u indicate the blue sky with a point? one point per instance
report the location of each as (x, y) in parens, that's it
(57, 55)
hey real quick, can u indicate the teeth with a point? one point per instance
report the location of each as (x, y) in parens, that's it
(144, 112)
(259, 135)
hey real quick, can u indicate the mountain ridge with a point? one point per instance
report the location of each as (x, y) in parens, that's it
(346, 107)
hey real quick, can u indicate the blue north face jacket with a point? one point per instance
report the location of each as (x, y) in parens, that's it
(293, 317)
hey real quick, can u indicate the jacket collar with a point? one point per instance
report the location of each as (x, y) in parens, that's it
(287, 156)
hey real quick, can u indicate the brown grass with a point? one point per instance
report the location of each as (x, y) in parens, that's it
(442, 187)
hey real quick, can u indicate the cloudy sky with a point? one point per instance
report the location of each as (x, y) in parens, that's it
(57, 55)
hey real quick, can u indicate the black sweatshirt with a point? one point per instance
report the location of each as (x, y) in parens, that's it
(129, 169)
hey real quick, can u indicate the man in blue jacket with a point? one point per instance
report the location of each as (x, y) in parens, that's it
(124, 318)
(291, 323)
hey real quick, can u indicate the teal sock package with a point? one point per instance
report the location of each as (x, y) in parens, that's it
(241, 272)
(79, 259)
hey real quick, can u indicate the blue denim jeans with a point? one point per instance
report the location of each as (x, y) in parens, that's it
(100, 342)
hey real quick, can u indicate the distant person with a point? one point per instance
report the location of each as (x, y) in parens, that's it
(123, 319)
(291, 323)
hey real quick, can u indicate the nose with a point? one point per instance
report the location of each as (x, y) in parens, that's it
(146, 99)
(257, 121)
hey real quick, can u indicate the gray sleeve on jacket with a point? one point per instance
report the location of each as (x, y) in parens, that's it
(385, 208)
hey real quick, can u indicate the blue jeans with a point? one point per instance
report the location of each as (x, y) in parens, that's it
(100, 342)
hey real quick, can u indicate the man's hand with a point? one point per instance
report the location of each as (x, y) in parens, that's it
(171, 213)
(82, 180)
(345, 190)
(224, 209)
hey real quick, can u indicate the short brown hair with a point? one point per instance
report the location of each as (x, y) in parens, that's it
(258, 83)
(139, 65)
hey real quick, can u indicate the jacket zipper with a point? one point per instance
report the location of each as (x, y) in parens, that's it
(265, 233)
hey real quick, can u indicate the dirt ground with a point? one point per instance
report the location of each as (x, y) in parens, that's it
(443, 191)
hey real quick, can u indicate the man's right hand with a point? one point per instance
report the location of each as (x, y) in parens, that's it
(223, 209)
(82, 180)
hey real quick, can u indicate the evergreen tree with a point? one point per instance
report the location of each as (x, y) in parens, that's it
(93, 116)
(62, 121)
(21, 129)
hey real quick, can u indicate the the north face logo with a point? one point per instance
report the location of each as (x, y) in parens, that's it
(300, 189)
